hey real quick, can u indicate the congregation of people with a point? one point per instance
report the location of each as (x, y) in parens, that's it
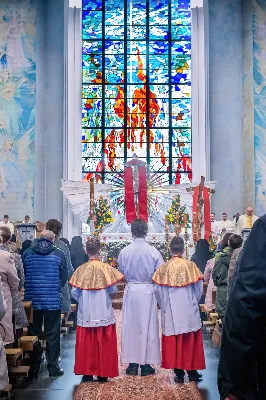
(53, 272)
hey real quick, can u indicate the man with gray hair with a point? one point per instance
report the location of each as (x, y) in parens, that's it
(45, 274)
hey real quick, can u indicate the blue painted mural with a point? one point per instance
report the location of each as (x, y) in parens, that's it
(259, 76)
(17, 107)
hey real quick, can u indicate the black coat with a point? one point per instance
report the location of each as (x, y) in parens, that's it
(242, 365)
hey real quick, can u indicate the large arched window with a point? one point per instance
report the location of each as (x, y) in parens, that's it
(136, 87)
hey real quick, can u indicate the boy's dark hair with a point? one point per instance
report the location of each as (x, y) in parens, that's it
(225, 240)
(177, 245)
(54, 226)
(93, 247)
(6, 216)
(27, 217)
(139, 228)
(235, 241)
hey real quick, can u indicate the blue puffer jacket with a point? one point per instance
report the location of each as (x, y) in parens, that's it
(45, 273)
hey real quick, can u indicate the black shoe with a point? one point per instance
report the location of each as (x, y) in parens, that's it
(33, 375)
(194, 376)
(56, 372)
(180, 376)
(102, 379)
(179, 380)
(132, 369)
(87, 378)
(147, 370)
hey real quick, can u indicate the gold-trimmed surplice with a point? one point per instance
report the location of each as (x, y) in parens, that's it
(95, 275)
(177, 272)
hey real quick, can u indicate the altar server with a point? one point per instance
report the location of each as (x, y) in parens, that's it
(96, 342)
(140, 325)
(178, 289)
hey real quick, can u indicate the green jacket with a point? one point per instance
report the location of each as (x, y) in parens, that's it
(220, 278)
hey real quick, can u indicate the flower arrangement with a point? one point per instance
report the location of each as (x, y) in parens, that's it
(212, 245)
(113, 249)
(102, 214)
(177, 214)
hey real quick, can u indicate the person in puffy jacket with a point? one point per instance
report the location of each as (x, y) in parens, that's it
(45, 274)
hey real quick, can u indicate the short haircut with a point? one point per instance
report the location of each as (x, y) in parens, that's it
(224, 213)
(225, 240)
(6, 216)
(139, 228)
(55, 226)
(212, 213)
(27, 217)
(177, 245)
(48, 235)
(93, 247)
(235, 241)
(5, 234)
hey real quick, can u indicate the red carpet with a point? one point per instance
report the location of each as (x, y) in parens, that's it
(158, 387)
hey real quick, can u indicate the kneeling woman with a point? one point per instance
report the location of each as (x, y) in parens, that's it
(178, 289)
(96, 342)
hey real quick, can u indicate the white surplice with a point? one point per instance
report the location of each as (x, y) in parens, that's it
(224, 227)
(242, 223)
(140, 325)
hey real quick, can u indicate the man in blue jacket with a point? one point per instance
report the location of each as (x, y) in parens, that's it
(45, 274)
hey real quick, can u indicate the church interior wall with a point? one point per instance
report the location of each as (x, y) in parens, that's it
(49, 109)
(225, 102)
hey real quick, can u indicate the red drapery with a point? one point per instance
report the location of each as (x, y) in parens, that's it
(207, 214)
(131, 214)
(143, 200)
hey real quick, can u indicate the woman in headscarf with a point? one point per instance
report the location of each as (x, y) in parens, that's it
(78, 255)
(21, 320)
(202, 254)
(242, 366)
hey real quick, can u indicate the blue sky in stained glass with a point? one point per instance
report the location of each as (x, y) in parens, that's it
(151, 67)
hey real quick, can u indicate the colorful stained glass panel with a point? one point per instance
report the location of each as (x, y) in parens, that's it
(136, 96)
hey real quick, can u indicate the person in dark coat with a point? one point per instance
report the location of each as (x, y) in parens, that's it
(202, 254)
(242, 366)
(78, 255)
(45, 274)
(221, 268)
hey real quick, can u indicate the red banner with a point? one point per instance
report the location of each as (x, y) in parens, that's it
(129, 196)
(195, 214)
(207, 214)
(143, 194)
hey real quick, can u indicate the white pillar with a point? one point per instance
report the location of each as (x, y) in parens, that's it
(73, 90)
(200, 91)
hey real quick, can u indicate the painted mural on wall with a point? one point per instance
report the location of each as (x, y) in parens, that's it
(17, 106)
(259, 75)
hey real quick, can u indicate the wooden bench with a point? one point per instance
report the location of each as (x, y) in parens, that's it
(214, 295)
(27, 343)
(205, 287)
(28, 310)
(14, 357)
(6, 392)
(202, 308)
(19, 372)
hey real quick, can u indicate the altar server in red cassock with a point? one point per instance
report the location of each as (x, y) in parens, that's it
(178, 289)
(96, 341)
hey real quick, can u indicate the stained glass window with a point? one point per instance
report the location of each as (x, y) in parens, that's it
(136, 99)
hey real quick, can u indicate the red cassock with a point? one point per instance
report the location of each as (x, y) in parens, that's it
(96, 351)
(183, 351)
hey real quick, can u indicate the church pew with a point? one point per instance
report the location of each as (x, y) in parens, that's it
(205, 287)
(7, 392)
(28, 310)
(14, 357)
(27, 343)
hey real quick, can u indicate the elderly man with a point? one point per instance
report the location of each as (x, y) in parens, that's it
(45, 274)
(245, 221)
